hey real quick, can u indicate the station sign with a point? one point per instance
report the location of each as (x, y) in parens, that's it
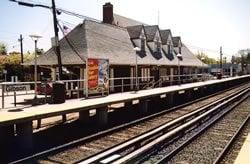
(12, 88)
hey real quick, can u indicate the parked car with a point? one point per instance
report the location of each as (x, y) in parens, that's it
(42, 89)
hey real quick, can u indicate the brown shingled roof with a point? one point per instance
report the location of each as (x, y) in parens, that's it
(98, 40)
(134, 31)
(164, 35)
(150, 32)
(176, 41)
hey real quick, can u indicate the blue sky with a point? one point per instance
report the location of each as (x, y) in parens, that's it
(203, 24)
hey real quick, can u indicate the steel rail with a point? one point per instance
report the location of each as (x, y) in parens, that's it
(142, 150)
(71, 144)
(192, 138)
(161, 129)
(232, 140)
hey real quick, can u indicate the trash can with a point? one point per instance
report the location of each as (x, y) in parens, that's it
(219, 76)
(58, 93)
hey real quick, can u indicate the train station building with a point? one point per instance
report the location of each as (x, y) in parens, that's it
(115, 39)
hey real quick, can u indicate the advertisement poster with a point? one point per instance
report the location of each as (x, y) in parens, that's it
(98, 75)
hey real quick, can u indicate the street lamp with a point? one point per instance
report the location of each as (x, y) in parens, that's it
(179, 56)
(35, 39)
(202, 68)
(136, 49)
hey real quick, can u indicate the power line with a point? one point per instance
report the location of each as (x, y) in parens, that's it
(67, 23)
(207, 50)
(76, 14)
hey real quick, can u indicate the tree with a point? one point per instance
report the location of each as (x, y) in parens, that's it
(3, 49)
(207, 59)
(12, 63)
(3, 61)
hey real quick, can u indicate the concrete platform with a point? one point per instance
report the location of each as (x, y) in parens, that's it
(244, 154)
(16, 125)
(20, 115)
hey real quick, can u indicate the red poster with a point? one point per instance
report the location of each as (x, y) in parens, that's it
(92, 73)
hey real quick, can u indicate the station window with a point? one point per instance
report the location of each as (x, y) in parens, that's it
(143, 44)
(169, 49)
(145, 74)
(157, 46)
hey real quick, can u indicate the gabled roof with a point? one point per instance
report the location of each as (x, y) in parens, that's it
(188, 58)
(150, 32)
(69, 56)
(171, 57)
(93, 39)
(176, 41)
(109, 42)
(135, 31)
(164, 35)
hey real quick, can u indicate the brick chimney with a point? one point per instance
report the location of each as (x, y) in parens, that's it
(108, 13)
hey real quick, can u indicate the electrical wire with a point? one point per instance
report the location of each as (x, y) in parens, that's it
(67, 23)
(76, 15)
(207, 50)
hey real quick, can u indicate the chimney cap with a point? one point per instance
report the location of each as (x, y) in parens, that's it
(107, 4)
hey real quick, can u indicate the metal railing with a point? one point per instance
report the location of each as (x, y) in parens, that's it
(27, 88)
(74, 86)
(121, 84)
(186, 78)
(128, 83)
(16, 88)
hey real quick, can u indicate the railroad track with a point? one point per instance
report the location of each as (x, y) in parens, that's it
(135, 149)
(235, 147)
(87, 147)
(232, 140)
(213, 145)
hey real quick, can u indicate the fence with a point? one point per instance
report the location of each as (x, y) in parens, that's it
(180, 79)
(78, 87)
(128, 83)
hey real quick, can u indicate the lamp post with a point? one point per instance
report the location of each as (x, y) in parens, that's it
(35, 39)
(179, 56)
(136, 49)
(202, 68)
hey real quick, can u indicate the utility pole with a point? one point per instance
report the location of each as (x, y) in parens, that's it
(221, 70)
(21, 46)
(57, 46)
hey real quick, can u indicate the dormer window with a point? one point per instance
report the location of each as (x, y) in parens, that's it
(179, 47)
(169, 45)
(143, 43)
(157, 46)
(169, 48)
